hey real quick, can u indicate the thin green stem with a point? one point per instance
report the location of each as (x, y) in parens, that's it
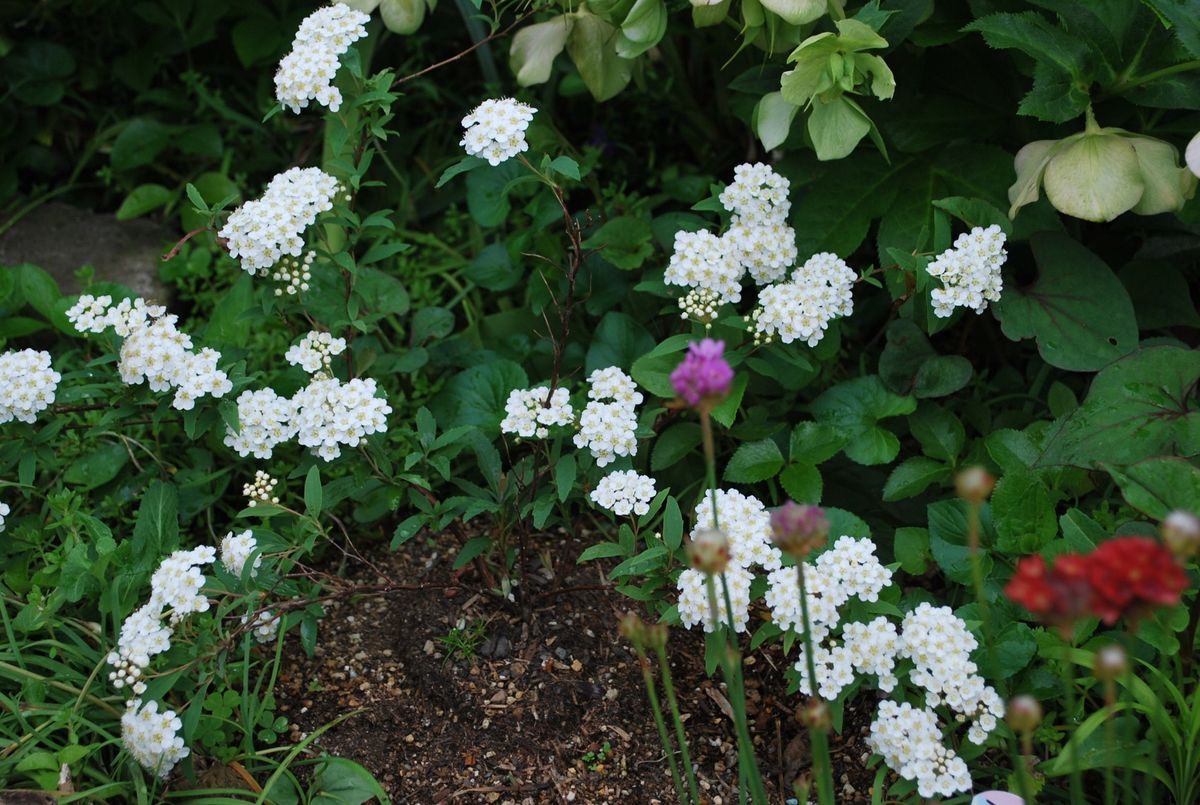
(710, 463)
(1073, 745)
(822, 768)
(669, 688)
(748, 763)
(1110, 741)
(989, 641)
(663, 736)
(1137, 81)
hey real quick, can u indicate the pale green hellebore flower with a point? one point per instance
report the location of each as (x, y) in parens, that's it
(1102, 172)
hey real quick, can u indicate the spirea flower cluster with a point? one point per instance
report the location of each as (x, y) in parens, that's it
(153, 351)
(265, 420)
(294, 274)
(27, 385)
(624, 492)
(306, 73)
(757, 195)
(530, 413)
(152, 738)
(608, 424)
(331, 414)
(315, 351)
(702, 260)
(970, 271)
(495, 130)
(802, 308)
(266, 626)
(236, 550)
(261, 232)
(261, 489)
(910, 741)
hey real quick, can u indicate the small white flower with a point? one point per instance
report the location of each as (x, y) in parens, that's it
(27, 385)
(306, 73)
(236, 550)
(495, 130)
(624, 493)
(970, 271)
(152, 738)
(315, 351)
(262, 232)
(703, 260)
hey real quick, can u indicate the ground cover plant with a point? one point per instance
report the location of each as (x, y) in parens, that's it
(852, 340)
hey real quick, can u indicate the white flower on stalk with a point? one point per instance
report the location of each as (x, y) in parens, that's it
(27, 385)
(261, 232)
(306, 73)
(530, 413)
(910, 741)
(970, 271)
(331, 414)
(265, 420)
(495, 130)
(236, 550)
(624, 493)
(694, 607)
(315, 351)
(702, 260)
(152, 737)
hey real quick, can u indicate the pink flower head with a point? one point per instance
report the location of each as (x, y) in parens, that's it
(704, 375)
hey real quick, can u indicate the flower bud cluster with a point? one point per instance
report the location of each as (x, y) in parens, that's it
(153, 351)
(27, 385)
(306, 73)
(262, 231)
(294, 273)
(261, 489)
(700, 304)
(624, 492)
(315, 352)
(970, 271)
(495, 130)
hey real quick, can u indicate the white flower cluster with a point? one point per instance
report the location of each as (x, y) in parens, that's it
(331, 413)
(294, 272)
(757, 195)
(236, 550)
(175, 592)
(940, 647)
(154, 351)
(261, 489)
(266, 626)
(262, 231)
(152, 738)
(702, 260)
(265, 420)
(970, 271)
(801, 309)
(746, 524)
(495, 130)
(910, 742)
(624, 492)
(765, 250)
(27, 385)
(307, 71)
(315, 351)
(530, 413)
(608, 425)
(4, 512)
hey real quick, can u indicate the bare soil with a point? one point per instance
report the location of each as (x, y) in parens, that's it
(545, 707)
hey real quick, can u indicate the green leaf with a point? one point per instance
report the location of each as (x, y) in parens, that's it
(673, 444)
(156, 530)
(143, 199)
(487, 192)
(565, 166)
(431, 324)
(844, 524)
(913, 476)
(643, 563)
(1034, 35)
(312, 492)
(672, 524)
(1158, 486)
(942, 375)
(139, 143)
(1013, 649)
(911, 546)
(564, 476)
(772, 121)
(493, 269)
(803, 483)
(1076, 308)
(468, 163)
(1023, 513)
(975, 212)
(854, 408)
(619, 340)
(837, 208)
(97, 467)
(904, 352)
(472, 549)
(591, 46)
(603, 550)
(1081, 533)
(940, 432)
(642, 28)
(339, 781)
(625, 241)
(754, 462)
(948, 539)
(476, 396)
(836, 127)
(1139, 407)
(814, 443)
(725, 411)
(384, 294)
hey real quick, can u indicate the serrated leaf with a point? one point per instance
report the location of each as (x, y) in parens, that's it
(912, 477)
(803, 483)
(1023, 513)
(754, 462)
(1158, 486)
(911, 546)
(854, 408)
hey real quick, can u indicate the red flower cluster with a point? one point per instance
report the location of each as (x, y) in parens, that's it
(1122, 577)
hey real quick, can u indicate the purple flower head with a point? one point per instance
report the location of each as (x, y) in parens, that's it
(799, 530)
(704, 375)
